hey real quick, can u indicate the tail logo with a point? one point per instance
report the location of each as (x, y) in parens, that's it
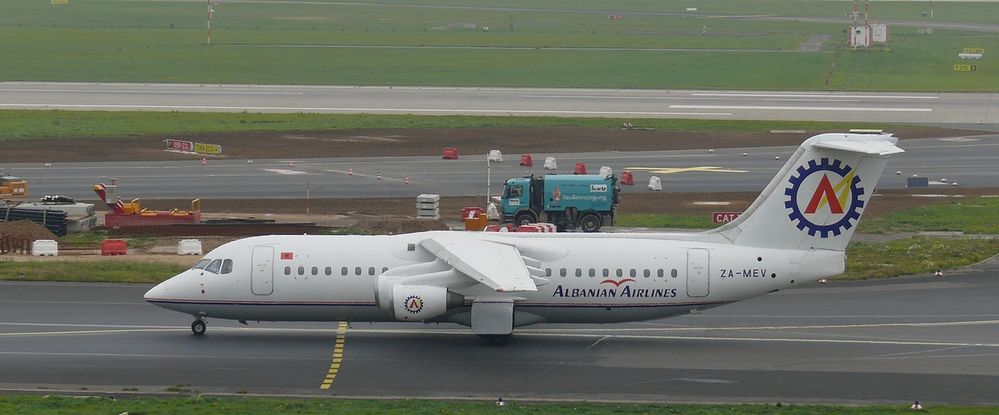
(830, 194)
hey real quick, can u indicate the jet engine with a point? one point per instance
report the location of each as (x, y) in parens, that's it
(422, 302)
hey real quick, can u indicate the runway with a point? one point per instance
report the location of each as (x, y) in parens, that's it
(917, 107)
(925, 338)
(969, 161)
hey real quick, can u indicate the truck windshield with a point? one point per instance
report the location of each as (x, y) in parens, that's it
(514, 191)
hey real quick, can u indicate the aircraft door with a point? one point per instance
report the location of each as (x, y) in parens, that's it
(698, 273)
(262, 271)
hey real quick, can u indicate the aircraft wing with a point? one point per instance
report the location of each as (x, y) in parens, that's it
(496, 265)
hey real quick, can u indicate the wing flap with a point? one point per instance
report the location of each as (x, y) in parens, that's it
(495, 265)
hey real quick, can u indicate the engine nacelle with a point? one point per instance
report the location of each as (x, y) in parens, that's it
(422, 302)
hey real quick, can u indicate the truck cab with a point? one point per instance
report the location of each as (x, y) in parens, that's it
(586, 202)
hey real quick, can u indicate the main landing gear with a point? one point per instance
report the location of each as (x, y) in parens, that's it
(198, 327)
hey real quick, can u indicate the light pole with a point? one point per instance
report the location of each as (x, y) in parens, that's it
(489, 177)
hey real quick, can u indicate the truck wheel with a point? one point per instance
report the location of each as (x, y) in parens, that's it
(523, 218)
(590, 222)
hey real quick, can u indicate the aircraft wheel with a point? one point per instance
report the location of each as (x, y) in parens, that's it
(590, 222)
(198, 327)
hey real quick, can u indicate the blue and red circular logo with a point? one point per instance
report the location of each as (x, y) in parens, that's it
(824, 197)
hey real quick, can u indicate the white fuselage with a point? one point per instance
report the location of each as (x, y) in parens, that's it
(609, 278)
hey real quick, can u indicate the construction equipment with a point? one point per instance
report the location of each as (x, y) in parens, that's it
(12, 189)
(131, 213)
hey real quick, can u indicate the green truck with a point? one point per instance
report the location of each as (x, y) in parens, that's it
(585, 202)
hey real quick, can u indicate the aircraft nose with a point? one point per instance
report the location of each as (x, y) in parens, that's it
(155, 292)
(163, 289)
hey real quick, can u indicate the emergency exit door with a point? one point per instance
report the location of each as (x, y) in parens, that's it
(262, 272)
(698, 273)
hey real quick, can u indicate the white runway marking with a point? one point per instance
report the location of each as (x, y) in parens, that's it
(579, 333)
(737, 94)
(801, 327)
(668, 98)
(780, 108)
(285, 171)
(349, 109)
(149, 91)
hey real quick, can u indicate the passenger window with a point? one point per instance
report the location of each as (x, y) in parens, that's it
(344, 271)
(561, 272)
(329, 271)
(214, 266)
(593, 273)
(673, 273)
(548, 272)
(384, 269)
(606, 272)
(287, 270)
(301, 270)
(659, 273)
(227, 266)
(371, 271)
(315, 270)
(633, 273)
(579, 272)
(357, 270)
(646, 273)
(202, 264)
(620, 273)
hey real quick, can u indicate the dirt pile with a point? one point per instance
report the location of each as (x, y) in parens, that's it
(26, 230)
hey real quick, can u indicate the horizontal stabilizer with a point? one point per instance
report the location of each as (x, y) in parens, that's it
(879, 148)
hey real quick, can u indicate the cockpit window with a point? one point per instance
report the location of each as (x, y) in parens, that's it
(202, 264)
(214, 266)
(227, 266)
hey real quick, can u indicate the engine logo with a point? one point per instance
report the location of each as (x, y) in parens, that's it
(828, 208)
(414, 304)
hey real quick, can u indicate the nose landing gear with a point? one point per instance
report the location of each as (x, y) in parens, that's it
(198, 327)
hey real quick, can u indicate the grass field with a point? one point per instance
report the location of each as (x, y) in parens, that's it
(977, 216)
(563, 44)
(18, 404)
(28, 124)
(914, 256)
(88, 271)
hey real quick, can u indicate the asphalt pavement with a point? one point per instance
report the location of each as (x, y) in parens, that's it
(892, 341)
(915, 107)
(968, 161)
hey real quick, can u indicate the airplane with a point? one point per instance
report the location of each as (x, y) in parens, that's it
(794, 233)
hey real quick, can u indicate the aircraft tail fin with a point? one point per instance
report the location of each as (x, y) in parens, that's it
(817, 198)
